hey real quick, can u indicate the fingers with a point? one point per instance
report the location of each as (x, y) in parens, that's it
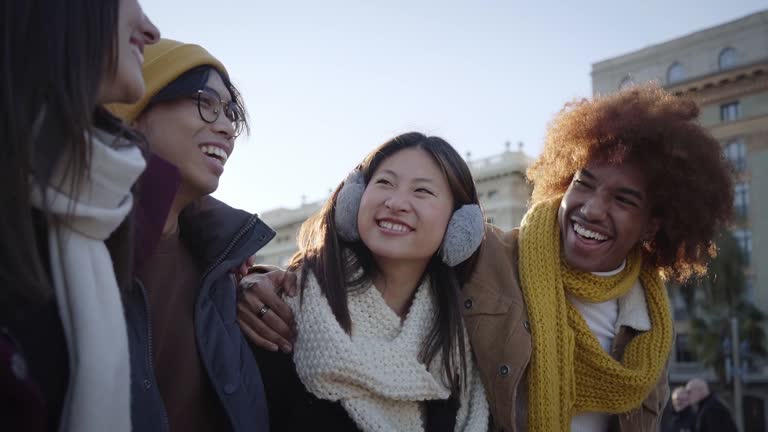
(287, 281)
(243, 270)
(255, 338)
(259, 332)
(278, 325)
(280, 317)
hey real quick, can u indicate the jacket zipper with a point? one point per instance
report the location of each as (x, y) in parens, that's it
(247, 227)
(149, 353)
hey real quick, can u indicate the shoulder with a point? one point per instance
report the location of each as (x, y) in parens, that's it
(496, 270)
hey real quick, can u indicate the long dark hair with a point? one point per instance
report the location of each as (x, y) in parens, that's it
(321, 251)
(55, 55)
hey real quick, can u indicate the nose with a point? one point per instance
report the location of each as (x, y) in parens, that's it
(223, 126)
(397, 203)
(150, 32)
(594, 208)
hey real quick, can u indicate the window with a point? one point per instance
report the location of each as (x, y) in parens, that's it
(744, 239)
(730, 111)
(683, 351)
(736, 153)
(679, 308)
(728, 58)
(626, 82)
(675, 73)
(741, 199)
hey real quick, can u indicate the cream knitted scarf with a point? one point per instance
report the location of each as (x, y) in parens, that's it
(87, 294)
(570, 372)
(375, 372)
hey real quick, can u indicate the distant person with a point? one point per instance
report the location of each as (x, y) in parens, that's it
(679, 416)
(711, 414)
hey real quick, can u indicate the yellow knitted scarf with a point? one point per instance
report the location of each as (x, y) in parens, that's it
(569, 371)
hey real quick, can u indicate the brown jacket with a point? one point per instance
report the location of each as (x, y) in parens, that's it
(498, 328)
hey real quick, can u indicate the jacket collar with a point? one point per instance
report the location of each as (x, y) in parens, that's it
(213, 230)
(633, 310)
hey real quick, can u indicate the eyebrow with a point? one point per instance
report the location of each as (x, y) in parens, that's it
(416, 180)
(629, 191)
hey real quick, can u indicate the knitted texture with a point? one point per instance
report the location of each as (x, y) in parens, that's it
(375, 372)
(569, 372)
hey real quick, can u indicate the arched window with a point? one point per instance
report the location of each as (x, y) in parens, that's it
(728, 58)
(626, 82)
(675, 73)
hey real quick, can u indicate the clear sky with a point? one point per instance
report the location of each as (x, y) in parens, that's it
(325, 81)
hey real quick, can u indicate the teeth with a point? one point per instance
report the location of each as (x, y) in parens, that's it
(220, 154)
(393, 226)
(587, 233)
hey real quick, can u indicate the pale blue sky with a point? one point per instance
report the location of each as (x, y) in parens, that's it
(327, 81)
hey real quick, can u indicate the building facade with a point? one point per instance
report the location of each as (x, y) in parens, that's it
(501, 188)
(725, 70)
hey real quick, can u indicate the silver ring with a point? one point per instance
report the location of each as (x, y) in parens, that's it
(263, 311)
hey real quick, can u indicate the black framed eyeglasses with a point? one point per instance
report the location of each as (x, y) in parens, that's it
(210, 105)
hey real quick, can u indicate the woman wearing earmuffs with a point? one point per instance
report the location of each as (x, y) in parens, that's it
(381, 344)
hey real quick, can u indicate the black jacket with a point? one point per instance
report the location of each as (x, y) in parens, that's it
(220, 238)
(714, 416)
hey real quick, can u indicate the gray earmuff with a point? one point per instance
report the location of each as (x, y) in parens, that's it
(463, 235)
(347, 206)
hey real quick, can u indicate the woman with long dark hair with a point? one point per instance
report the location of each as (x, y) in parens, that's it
(67, 168)
(381, 343)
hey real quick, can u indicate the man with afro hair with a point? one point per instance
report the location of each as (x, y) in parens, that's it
(568, 314)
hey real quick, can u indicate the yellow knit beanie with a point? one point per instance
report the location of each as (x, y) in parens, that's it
(163, 63)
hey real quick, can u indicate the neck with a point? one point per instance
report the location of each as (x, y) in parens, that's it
(182, 199)
(397, 281)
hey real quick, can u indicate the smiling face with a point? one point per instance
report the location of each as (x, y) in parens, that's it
(405, 208)
(605, 212)
(134, 31)
(178, 134)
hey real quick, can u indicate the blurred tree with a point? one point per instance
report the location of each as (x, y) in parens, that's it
(712, 301)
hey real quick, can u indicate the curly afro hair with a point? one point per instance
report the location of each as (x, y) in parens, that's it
(690, 182)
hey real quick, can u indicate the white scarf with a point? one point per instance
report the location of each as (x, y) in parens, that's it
(375, 372)
(87, 294)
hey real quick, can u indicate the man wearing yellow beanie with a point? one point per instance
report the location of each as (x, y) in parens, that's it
(192, 370)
